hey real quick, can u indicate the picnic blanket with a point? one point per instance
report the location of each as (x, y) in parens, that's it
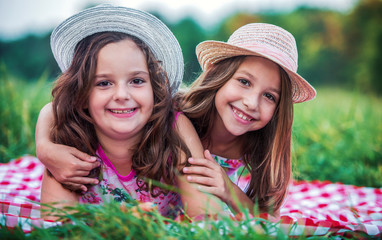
(311, 208)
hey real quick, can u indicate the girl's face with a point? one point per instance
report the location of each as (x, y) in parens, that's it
(247, 101)
(121, 99)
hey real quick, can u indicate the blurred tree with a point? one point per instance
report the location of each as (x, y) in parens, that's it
(29, 57)
(364, 45)
(334, 48)
(230, 24)
(189, 34)
(320, 42)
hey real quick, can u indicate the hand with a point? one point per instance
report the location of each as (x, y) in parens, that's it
(210, 176)
(68, 165)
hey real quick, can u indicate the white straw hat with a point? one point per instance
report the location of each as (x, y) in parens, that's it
(108, 18)
(263, 40)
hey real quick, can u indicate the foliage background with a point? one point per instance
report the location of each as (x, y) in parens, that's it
(337, 136)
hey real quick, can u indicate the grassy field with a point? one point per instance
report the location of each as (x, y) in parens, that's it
(20, 104)
(336, 137)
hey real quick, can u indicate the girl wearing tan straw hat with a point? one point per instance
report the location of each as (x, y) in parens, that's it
(113, 100)
(242, 108)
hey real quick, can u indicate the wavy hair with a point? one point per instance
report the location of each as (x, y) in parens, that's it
(266, 152)
(157, 155)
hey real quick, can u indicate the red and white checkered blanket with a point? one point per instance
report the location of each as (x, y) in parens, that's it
(311, 208)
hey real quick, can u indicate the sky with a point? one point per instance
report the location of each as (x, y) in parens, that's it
(20, 17)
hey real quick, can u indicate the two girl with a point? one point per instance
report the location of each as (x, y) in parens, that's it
(114, 101)
(242, 109)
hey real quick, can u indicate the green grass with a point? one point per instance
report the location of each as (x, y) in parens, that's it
(110, 221)
(20, 103)
(338, 137)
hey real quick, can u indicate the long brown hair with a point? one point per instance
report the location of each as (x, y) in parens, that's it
(266, 152)
(156, 156)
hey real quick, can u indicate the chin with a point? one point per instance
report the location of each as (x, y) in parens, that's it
(237, 133)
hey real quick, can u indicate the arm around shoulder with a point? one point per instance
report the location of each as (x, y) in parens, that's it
(187, 131)
(189, 135)
(196, 202)
(67, 164)
(43, 127)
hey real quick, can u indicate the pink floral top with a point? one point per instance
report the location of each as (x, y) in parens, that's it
(235, 171)
(115, 187)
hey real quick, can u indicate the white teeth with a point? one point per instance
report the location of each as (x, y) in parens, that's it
(122, 111)
(240, 115)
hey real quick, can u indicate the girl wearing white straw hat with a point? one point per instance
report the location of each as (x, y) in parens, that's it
(242, 108)
(114, 101)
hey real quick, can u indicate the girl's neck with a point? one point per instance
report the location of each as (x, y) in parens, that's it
(119, 153)
(223, 143)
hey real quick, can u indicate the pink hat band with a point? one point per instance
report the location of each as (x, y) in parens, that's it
(264, 40)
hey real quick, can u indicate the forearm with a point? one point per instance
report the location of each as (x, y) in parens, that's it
(43, 128)
(55, 195)
(238, 200)
(197, 203)
(68, 165)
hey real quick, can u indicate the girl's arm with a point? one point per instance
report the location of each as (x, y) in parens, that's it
(67, 164)
(55, 195)
(214, 180)
(196, 203)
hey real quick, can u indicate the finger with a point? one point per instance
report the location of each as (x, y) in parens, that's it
(75, 187)
(202, 162)
(83, 156)
(83, 168)
(82, 181)
(201, 180)
(80, 173)
(210, 189)
(205, 189)
(199, 171)
(208, 155)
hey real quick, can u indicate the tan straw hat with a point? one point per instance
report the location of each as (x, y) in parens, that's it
(263, 40)
(109, 18)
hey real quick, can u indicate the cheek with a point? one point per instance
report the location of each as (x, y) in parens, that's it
(218, 102)
(221, 97)
(90, 105)
(148, 102)
(269, 114)
(150, 99)
(96, 102)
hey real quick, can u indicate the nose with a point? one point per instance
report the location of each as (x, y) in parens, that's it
(251, 101)
(122, 92)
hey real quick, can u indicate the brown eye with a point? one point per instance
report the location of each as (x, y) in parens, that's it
(137, 81)
(244, 82)
(103, 83)
(270, 97)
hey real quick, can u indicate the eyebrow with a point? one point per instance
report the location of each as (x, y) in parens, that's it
(278, 91)
(141, 72)
(135, 73)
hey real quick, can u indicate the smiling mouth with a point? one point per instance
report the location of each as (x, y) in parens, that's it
(241, 115)
(122, 111)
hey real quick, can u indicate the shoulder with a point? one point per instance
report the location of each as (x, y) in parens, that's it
(185, 127)
(181, 120)
(187, 132)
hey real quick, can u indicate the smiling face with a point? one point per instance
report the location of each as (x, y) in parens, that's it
(121, 99)
(248, 100)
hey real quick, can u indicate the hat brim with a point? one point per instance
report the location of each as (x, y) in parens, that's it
(211, 52)
(108, 18)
